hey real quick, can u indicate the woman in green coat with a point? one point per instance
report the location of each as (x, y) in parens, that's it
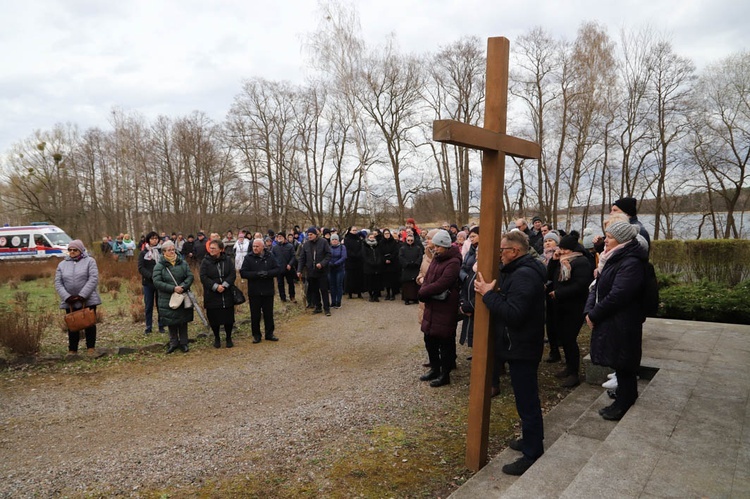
(172, 275)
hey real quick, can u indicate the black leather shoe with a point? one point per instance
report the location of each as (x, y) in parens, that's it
(615, 414)
(185, 348)
(328, 312)
(610, 407)
(256, 339)
(553, 357)
(172, 348)
(432, 374)
(444, 379)
(518, 467)
(230, 343)
(272, 338)
(318, 311)
(516, 444)
(217, 343)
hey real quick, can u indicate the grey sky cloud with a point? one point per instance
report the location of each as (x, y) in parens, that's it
(73, 60)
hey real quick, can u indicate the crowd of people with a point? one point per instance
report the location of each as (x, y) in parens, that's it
(549, 282)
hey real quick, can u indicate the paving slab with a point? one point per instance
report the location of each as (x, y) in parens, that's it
(687, 436)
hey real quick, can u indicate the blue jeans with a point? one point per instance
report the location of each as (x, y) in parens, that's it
(336, 278)
(150, 296)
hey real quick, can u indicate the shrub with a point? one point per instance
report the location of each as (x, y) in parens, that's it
(21, 329)
(707, 301)
(725, 261)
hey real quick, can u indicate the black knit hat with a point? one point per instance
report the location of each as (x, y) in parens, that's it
(628, 206)
(569, 242)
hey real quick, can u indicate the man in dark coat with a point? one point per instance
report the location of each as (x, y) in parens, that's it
(315, 255)
(260, 268)
(517, 311)
(284, 253)
(441, 312)
(199, 248)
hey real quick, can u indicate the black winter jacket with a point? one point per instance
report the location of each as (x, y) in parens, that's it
(517, 308)
(313, 253)
(215, 272)
(389, 250)
(353, 245)
(614, 306)
(285, 255)
(260, 270)
(372, 259)
(410, 256)
(146, 268)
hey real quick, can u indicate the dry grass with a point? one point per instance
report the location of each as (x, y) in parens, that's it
(20, 329)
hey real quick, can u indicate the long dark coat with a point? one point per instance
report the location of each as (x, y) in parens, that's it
(372, 259)
(614, 306)
(441, 317)
(165, 285)
(216, 271)
(571, 295)
(410, 256)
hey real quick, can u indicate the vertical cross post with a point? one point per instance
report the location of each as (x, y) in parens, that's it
(495, 144)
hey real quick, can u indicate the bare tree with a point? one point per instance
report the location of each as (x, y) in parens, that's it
(456, 91)
(672, 76)
(720, 142)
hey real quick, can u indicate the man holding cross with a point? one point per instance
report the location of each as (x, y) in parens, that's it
(517, 307)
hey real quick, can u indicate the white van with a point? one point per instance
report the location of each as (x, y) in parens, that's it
(33, 241)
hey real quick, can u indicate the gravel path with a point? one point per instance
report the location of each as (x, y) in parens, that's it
(210, 414)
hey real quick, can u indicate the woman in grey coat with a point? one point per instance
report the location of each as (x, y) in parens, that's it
(76, 279)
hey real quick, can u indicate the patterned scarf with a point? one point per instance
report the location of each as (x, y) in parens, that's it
(565, 264)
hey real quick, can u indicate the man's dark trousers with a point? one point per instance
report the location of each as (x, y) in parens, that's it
(287, 276)
(264, 305)
(523, 379)
(317, 286)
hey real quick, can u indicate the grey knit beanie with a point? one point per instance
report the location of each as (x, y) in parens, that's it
(442, 239)
(622, 231)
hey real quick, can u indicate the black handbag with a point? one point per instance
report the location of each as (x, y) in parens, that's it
(237, 296)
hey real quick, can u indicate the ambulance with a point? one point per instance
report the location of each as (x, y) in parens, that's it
(36, 241)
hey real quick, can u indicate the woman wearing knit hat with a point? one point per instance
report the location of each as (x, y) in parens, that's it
(440, 293)
(615, 314)
(570, 287)
(76, 279)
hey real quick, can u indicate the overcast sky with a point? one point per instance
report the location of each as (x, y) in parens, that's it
(74, 60)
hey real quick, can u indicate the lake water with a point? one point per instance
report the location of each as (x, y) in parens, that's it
(684, 225)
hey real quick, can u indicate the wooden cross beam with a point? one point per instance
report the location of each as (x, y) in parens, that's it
(495, 144)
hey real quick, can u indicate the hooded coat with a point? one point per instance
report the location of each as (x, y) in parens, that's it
(517, 309)
(614, 307)
(441, 317)
(165, 285)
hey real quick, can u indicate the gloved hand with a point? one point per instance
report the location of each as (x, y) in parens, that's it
(72, 299)
(262, 274)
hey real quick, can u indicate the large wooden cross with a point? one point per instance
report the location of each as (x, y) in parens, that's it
(494, 144)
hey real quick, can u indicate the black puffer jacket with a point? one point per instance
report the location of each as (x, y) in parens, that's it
(517, 308)
(215, 272)
(614, 306)
(260, 271)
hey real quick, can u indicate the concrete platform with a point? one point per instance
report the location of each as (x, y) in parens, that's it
(687, 436)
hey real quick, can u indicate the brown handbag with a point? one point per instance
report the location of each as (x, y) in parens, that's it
(80, 319)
